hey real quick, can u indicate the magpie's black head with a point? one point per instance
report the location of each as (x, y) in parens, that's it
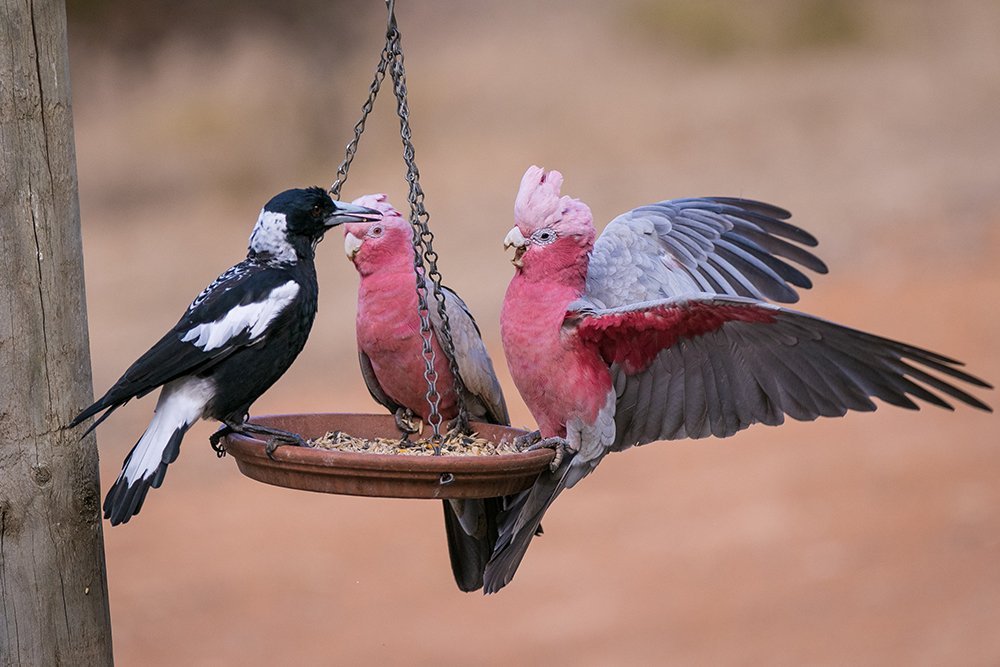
(294, 221)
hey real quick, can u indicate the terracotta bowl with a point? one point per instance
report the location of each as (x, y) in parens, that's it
(383, 475)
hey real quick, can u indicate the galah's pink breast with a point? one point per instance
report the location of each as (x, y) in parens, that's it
(388, 331)
(559, 378)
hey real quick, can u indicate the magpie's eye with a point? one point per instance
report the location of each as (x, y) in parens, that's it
(544, 236)
(316, 212)
(376, 231)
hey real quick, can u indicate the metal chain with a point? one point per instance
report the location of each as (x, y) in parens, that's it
(425, 258)
(366, 108)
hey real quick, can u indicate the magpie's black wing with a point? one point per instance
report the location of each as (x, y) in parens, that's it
(231, 313)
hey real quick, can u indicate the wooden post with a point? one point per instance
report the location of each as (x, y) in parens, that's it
(53, 587)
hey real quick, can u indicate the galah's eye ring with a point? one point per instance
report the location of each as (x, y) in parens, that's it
(376, 231)
(543, 236)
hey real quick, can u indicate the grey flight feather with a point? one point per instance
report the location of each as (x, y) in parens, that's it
(719, 245)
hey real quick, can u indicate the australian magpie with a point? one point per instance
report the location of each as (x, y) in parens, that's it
(235, 340)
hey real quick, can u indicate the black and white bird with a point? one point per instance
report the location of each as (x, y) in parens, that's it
(235, 340)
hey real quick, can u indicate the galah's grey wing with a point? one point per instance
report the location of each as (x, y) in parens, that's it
(373, 385)
(713, 245)
(690, 368)
(487, 402)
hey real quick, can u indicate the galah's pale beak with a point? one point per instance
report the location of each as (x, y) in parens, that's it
(352, 244)
(344, 212)
(516, 239)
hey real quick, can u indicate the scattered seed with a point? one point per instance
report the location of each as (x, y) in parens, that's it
(453, 444)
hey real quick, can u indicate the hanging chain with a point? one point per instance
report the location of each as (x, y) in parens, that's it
(425, 261)
(366, 108)
(425, 258)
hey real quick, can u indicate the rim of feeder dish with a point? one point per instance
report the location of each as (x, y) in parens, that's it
(383, 475)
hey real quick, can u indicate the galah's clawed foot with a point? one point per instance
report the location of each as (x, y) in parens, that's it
(215, 440)
(406, 422)
(559, 445)
(460, 424)
(523, 442)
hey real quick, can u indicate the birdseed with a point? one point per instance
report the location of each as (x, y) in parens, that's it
(453, 444)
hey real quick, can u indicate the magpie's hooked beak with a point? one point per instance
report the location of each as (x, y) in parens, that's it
(344, 212)
(516, 239)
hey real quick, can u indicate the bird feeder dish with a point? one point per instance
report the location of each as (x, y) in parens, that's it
(383, 475)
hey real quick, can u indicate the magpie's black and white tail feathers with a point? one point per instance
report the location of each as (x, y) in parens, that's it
(125, 498)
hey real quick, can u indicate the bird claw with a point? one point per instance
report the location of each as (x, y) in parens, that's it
(406, 422)
(460, 424)
(522, 442)
(276, 440)
(558, 445)
(215, 440)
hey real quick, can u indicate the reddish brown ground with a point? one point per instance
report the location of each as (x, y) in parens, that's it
(870, 540)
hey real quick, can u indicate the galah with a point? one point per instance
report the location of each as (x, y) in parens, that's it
(660, 330)
(390, 349)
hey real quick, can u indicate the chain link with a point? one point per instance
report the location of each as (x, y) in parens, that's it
(425, 258)
(366, 108)
(425, 261)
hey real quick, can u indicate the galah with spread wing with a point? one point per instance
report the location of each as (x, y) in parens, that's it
(390, 350)
(661, 329)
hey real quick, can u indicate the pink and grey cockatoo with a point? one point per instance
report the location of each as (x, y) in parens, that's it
(660, 330)
(390, 350)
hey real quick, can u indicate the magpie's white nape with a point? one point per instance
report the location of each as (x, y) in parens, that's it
(234, 341)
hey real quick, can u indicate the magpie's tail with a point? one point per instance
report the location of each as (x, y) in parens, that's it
(471, 526)
(146, 465)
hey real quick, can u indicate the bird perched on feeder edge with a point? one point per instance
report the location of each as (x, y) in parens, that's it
(660, 330)
(233, 342)
(390, 350)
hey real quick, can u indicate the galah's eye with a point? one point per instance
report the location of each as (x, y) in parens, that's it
(543, 236)
(376, 231)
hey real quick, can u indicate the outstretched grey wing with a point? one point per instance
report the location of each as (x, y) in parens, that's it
(713, 245)
(690, 368)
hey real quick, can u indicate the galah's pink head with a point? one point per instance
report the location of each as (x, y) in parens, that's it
(550, 231)
(381, 244)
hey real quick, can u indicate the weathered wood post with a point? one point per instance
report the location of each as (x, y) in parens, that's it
(53, 590)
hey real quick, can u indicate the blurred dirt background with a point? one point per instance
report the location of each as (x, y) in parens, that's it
(870, 540)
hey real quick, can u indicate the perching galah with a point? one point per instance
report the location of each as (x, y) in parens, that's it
(659, 331)
(390, 350)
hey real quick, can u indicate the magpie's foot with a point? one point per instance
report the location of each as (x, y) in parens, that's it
(278, 439)
(523, 442)
(559, 445)
(215, 440)
(406, 422)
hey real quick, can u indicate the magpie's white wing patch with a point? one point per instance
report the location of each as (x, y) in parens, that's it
(252, 317)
